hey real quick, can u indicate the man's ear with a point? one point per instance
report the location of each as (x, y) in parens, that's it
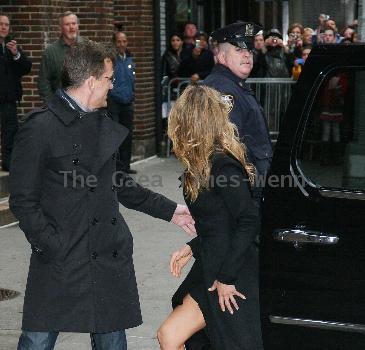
(221, 56)
(90, 82)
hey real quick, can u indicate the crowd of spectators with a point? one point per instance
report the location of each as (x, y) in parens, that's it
(192, 54)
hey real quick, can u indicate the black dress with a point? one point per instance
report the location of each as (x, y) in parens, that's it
(227, 222)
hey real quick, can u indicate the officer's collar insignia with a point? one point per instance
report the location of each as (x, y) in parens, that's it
(249, 30)
(229, 100)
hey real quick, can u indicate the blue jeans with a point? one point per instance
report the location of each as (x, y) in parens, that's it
(47, 340)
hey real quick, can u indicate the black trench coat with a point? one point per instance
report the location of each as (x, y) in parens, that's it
(81, 275)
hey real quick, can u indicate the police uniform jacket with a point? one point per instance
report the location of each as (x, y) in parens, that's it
(65, 192)
(246, 113)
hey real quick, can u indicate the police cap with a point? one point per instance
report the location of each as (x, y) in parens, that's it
(240, 34)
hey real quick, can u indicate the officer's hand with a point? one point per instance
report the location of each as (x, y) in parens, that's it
(12, 46)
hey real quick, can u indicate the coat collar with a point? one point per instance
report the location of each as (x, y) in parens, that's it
(221, 69)
(111, 133)
(64, 108)
(111, 136)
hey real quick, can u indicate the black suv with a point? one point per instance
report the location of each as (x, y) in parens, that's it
(312, 251)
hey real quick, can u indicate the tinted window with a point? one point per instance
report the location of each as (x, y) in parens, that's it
(332, 152)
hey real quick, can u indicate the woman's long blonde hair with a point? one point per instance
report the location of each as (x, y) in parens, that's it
(199, 126)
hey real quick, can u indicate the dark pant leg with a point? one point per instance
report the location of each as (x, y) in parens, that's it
(37, 340)
(123, 114)
(125, 149)
(109, 341)
(9, 127)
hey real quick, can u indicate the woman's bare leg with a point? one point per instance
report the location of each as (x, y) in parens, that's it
(183, 322)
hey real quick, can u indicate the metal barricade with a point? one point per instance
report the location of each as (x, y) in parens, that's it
(274, 95)
(173, 90)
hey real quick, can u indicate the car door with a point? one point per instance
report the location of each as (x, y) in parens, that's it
(312, 254)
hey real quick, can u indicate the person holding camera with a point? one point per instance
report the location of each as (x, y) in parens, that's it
(13, 65)
(295, 40)
(199, 62)
(277, 61)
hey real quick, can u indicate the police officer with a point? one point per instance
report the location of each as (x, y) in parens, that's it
(235, 62)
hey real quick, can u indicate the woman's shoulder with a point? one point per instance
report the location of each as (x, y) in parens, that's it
(223, 162)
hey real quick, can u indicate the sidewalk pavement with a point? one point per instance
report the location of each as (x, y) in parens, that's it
(154, 240)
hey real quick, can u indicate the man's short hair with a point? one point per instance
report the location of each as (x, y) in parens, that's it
(5, 15)
(66, 14)
(115, 34)
(84, 60)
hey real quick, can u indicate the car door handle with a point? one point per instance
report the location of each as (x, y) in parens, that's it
(300, 236)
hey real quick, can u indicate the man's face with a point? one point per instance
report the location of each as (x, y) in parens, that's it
(239, 61)
(305, 54)
(331, 24)
(69, 27)
(4, 26)
(329, 37)
(348, 33)
(259, 42)
(190, 30)
(102, 86)
(121, 42)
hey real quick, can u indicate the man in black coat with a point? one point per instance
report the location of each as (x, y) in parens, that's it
(65, 190)
(13, 65)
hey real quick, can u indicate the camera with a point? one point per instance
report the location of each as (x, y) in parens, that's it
(7, 39)
(197, 43)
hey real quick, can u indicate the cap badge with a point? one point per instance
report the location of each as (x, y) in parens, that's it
(249, 29)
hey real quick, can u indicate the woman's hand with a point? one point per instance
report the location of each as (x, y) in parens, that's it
(179, 259)
(226, 294)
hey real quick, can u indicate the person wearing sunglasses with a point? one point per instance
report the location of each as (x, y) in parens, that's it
(121, 97)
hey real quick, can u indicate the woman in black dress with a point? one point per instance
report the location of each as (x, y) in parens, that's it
(220, 294)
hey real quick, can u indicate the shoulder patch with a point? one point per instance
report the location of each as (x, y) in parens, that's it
(229, 100)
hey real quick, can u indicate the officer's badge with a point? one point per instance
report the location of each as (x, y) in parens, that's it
(229, 100)
(249, 29)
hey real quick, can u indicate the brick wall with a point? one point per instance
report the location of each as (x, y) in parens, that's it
(35, 24)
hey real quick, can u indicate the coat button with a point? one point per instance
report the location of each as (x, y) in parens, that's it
(75, 146)
(114, 221)
(94, 222)
(115, 253)
(36, 250)
(94, 255)
(76, 161)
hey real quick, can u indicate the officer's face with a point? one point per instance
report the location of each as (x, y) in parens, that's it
(239, 61)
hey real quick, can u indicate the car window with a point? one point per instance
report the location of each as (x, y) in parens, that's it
(332, 151)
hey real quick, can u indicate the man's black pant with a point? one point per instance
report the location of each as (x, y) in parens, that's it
(123, 114)
(9, 127)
